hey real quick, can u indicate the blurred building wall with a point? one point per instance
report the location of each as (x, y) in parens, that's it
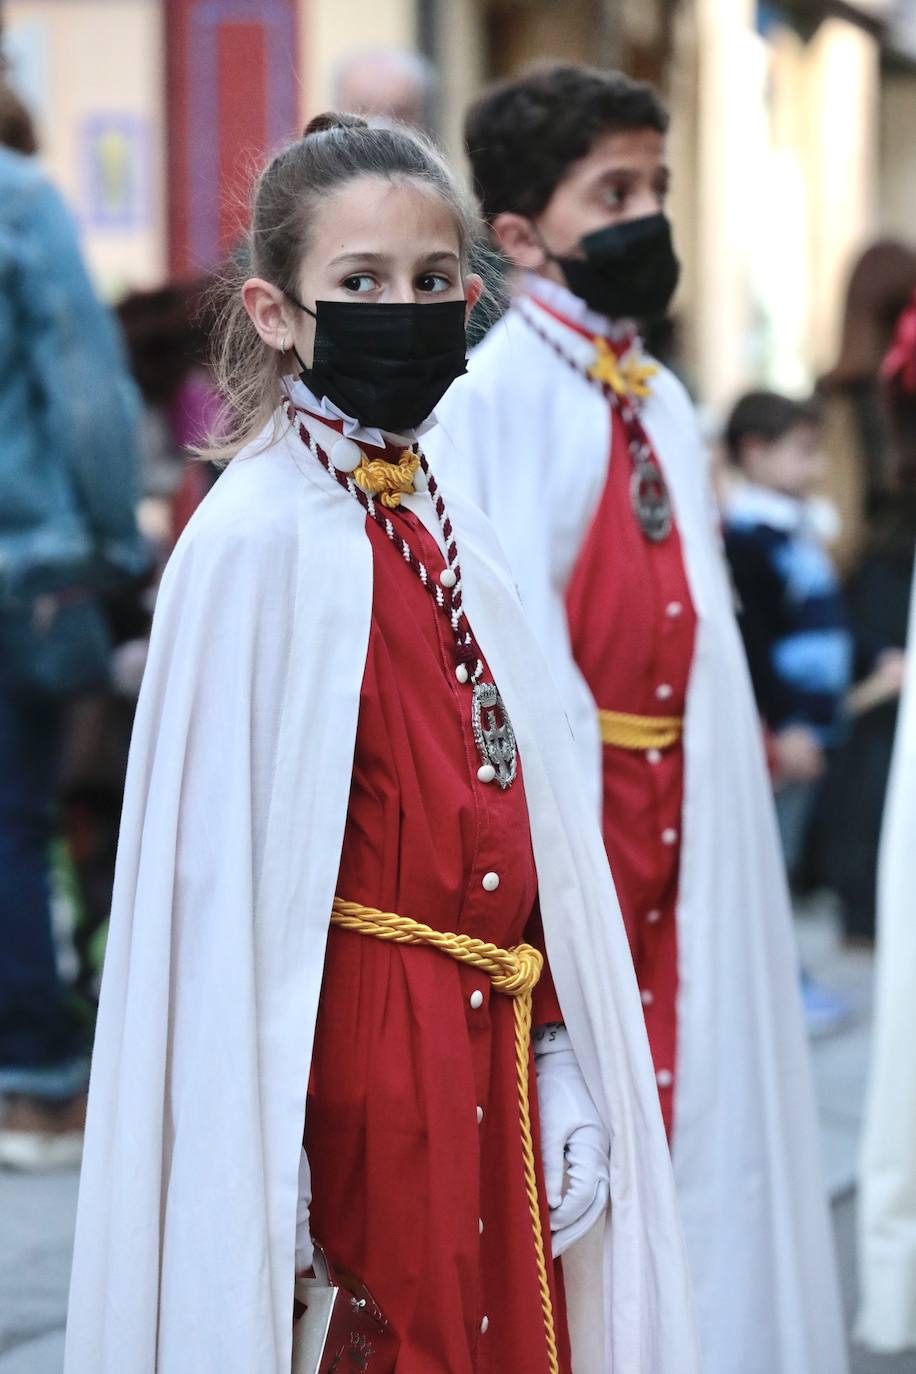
(93, 75)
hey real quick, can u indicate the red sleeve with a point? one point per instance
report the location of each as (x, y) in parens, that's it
(545, 1005)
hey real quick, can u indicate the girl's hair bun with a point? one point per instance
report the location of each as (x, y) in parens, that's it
(331, 119)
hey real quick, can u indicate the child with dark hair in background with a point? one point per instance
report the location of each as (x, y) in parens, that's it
(792, 616)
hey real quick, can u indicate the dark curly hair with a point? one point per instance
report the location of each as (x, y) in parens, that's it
(522, 136)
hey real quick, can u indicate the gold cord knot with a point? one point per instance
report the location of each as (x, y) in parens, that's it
(391, 481)
(627, 376)
(522, 971)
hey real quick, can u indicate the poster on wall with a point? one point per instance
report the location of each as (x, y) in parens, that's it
(116, 171)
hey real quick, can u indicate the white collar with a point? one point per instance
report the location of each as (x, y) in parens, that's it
(302, 396)
(573, 308)
(749, 502)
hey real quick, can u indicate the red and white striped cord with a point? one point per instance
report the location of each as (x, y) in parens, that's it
(469, 661)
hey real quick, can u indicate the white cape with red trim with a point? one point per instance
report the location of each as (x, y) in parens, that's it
(233, 820)
(887, 1184)
(528, 438)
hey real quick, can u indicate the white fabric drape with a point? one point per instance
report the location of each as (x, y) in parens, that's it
(887, 1184)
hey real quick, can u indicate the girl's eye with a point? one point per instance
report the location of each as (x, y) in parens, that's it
(361, 283)
(615, 196)
(433, 282)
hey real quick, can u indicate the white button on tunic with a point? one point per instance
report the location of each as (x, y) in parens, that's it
(664, 1078)
(674, 609)
(654, 756)
(490, 882)
(448, 577)
(476, 999)
(346, 455)
(486, 773)
(669, 836)
(664, 691)
(484, 1325)
(479, 1115)
(461, 673)
(653, 917)
(647, 997)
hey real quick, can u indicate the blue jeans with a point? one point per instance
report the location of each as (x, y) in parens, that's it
(41, 1050)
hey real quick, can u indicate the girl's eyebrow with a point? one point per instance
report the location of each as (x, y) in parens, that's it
(356, 256)
(442, 255)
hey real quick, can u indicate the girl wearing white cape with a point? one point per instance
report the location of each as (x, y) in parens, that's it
(345, 711)
(588, 455)
(887, 1182)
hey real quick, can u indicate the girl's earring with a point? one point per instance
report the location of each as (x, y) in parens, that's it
(283, 344)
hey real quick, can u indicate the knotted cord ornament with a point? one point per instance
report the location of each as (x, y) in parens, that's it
(390, 481)
(624, 383)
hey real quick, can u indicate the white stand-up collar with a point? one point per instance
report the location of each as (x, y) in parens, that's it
(573, 308)
(304, 398)
(749, 503)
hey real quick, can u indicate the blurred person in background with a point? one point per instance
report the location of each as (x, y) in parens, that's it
(388, 83)
(792, 616)
(67, 538)
(791, 610)
(167, 333)
(587, 455)
(887, 1180)
(875, 554)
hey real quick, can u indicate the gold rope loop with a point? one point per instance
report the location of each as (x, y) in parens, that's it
(514, 973)
(389, 480)
(639, 732)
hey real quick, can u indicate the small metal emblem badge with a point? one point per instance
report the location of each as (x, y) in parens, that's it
(493, 733)
(650, 499)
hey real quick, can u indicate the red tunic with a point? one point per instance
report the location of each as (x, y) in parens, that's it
(632, 627)
(412, 1127)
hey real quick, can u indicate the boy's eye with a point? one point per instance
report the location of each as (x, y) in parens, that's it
(360, 282)
(433, 282)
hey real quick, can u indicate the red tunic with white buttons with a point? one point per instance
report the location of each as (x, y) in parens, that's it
(632, 626)
(412, 1130)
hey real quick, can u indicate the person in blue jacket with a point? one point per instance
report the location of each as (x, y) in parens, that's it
(68, 474)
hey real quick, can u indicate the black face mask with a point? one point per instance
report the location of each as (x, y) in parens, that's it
(387, 366)
(629, 271)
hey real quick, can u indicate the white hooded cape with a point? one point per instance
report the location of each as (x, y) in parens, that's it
(528, 438)
(233, 820)
(887, 1183)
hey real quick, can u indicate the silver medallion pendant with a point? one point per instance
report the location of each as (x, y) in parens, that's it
(650, 499)
(493, 733)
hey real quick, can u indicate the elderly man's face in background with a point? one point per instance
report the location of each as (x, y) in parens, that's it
(379, 84)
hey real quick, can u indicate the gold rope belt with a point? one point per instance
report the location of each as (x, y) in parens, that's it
(513, 972)
(639, 732)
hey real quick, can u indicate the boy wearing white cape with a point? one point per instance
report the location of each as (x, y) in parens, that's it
(588, 457)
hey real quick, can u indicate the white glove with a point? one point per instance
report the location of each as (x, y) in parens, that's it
(304, 1251)
(573, 1138)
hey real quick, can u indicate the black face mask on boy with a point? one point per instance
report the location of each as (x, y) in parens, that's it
(629, 272)
(387, 366)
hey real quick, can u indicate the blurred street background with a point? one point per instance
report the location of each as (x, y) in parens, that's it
(793, 149)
